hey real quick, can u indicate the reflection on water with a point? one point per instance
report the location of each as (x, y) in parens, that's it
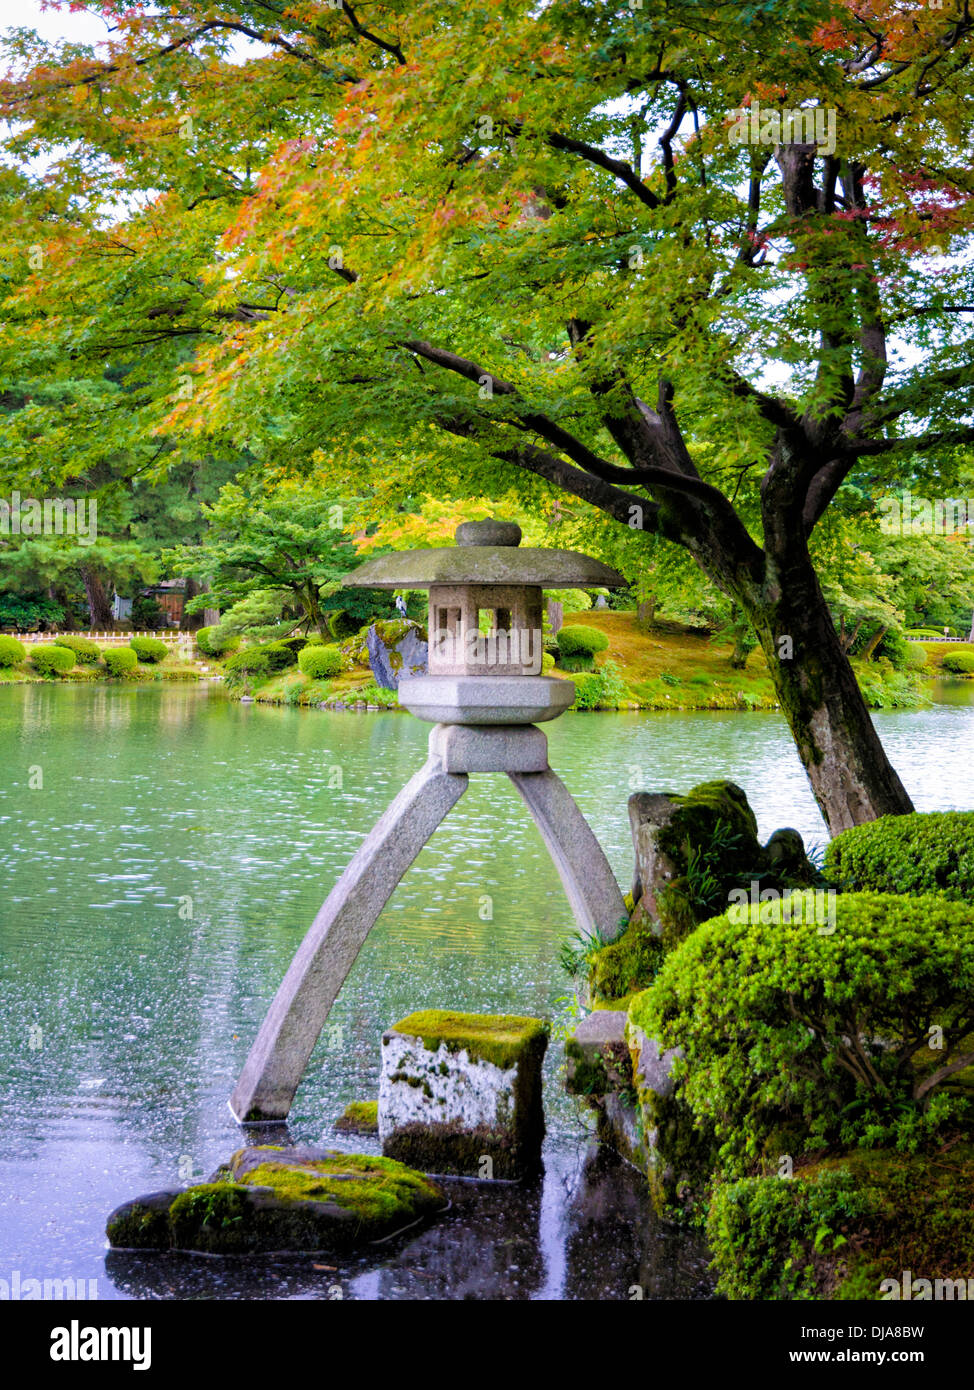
(157, 884)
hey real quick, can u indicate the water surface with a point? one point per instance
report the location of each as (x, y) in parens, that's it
(157, 884)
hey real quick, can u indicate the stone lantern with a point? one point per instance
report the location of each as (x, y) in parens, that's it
(485, 694)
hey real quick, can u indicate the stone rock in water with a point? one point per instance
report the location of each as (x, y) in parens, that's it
(597, 1055)
(396, 648)
(461, 1093)
(359, 1117)
(715, 822)
(270, 1199)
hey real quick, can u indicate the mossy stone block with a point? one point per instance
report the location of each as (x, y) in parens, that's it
(359, 1117)
(461, 1093)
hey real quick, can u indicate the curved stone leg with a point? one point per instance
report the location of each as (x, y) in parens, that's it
(588, 880)
(321, 963)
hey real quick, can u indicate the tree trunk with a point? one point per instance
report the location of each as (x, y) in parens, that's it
(743, 647)
(852, 779)
(59, 594)
(873, 643)
(310, 603)
(191, 622)
(99, 607)
(646, 613)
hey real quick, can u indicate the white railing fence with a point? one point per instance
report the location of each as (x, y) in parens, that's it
(172, 635)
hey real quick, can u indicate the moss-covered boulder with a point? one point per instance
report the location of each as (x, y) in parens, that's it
(693, 850)
(359, 1117)
(867, 1225)
(269, 1199)
(396, 648)
(461, 1093)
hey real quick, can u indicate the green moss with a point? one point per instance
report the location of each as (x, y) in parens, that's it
(629, 962)
(447, 1148)
(359, 1117)
(498, 1038)
(211, 1217)
(295, 1200)
(587, 1075)
(142, 1224)
(349, 1182)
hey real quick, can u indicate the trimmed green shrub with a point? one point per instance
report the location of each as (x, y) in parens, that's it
(315, 639)
(915, 657)
(577, 647)
(319, 663)
(250, 664)
(214, 641)
(12, 652)
(120, 661)
(149, 649)
(575, 640)
(961, 663)
(281, 655)
(800, 1035)
(547, 664)
(85, 651)
(928, 634)
(924, 852)
(49, 660)
(341, 624)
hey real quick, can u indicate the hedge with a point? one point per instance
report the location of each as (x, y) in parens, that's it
(120, 660)
(319, 663)
(12, 652)
(924, 852)
(149, 649)
(804, 1035)
(49, 660)
(576, 640)
(85, 651)
(960, 662)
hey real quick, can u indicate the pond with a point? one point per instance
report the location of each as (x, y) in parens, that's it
(157, 884)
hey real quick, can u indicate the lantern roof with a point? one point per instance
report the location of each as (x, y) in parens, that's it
(486, 552)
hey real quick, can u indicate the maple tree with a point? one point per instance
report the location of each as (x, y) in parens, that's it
(510, 248)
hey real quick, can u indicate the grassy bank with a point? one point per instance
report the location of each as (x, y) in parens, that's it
(667, 668)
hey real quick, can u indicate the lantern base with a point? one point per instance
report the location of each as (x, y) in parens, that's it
(489, 748)
(486, 699)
